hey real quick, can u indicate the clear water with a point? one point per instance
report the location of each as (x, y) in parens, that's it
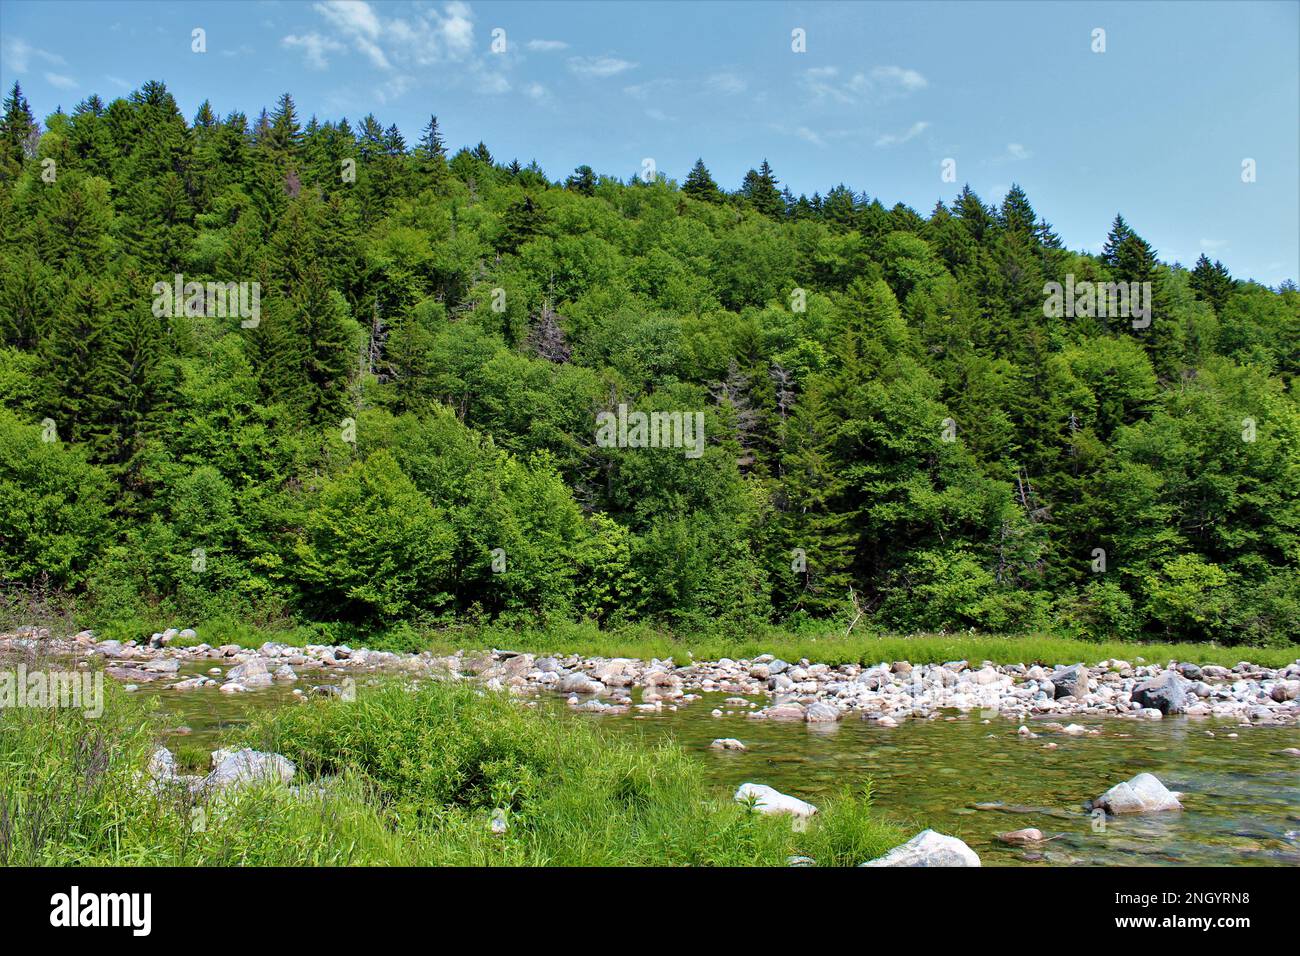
(964, 777)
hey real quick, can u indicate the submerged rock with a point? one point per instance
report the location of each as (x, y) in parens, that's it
(769, 800)
(1143, 794)
(1025, 837)
(727, 743)
(928, 848)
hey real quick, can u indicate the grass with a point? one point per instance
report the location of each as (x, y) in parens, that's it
(829, 647)
(398, 777)
(645, 641)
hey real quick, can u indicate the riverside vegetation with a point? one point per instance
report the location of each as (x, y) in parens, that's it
(444, 775)
(899, 436)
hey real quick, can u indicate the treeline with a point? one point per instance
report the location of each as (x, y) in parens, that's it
(897, 431)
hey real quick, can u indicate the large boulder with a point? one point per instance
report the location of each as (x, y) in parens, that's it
(252, 673)
(579, 684)
(1285, 690)
(1166, 693)
(234, 768)
(928, 848)
(769, 800)
(1143, 794)
(1070, 681)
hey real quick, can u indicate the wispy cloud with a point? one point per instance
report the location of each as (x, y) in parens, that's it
(897, 76)
(315, 48)
(599, 66)
(428, 36)
(804, 133)
(61, 81)
(546, 46)
(897, 139)
(648, 89)
(827, 83)
(726, 84)
(18, 55)
(1213, 245)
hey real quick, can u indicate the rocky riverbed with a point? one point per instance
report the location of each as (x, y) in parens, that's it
(982, 751)
(887, 693)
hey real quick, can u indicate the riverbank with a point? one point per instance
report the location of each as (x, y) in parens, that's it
(806, 689)
(442, 775)
(828, 646)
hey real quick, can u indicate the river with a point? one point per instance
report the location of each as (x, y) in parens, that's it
(965, 776)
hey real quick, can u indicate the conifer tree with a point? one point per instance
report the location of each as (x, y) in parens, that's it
(1212, 282)
(759, 188)
(18, 131)
(699, 184)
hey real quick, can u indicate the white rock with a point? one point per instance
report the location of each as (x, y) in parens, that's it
(1143, 794)
(929, 848)
(769, 800)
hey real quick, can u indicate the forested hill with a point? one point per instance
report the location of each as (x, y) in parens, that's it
(398, 418)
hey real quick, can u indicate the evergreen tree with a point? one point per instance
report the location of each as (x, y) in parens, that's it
(699, 184)
(18, 132)
(1212, 282)
(1119, 233)
(759, 189)
(583, 181)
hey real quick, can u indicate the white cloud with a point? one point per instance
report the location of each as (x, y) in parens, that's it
(804, 133)
(429, 36)
(493, 84)
(644, 91)
(535, 91)
(117, 81)
(314, 47)
(896, 139)
(824, 82)
(883, 83)
(728, 84)
(547, 46)
(909, 80)
(61, 81)
(18, 55)
(599, 66)
(1015, 151)
(351, 16)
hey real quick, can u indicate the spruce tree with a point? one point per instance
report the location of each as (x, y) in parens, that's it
(18, 131)
(699, 184)
(1211, 282)
(759, 189)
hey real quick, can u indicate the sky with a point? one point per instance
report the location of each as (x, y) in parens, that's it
(1156, 126)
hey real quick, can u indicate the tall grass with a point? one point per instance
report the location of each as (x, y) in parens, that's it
(833, 647)
(825, 646)
(399, 776)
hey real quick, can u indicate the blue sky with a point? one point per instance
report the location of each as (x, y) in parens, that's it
(1156, 127)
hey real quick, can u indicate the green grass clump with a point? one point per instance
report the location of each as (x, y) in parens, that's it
(400, 776)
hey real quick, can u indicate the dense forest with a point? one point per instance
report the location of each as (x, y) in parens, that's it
(897, 434)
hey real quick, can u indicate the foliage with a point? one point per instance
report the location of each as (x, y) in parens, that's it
(897, 432)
